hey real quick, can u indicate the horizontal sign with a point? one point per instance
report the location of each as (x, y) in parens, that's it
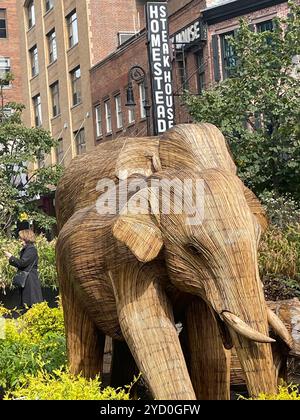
(188, 35)
(160, 66)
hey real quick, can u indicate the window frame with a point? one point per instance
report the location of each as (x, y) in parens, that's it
(200, 64)
(3, 19)
(75, 82)
(118, 109)
(226, 69)
(80, 146)
(70, 29)
(50, 7)
(142, 97)
(6, 69)
(108, 116)
(98, 120)
(55, 98)
(37, 107)
(34, 61)
(30, 14)
(52, 51)
(59, 152)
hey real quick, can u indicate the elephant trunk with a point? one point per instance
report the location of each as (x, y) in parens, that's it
(249, 332)
(243, 309)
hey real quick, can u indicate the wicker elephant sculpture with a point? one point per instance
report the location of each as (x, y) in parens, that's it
(132, 275)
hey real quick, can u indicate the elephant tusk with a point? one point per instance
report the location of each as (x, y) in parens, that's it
(279, 328)
(243, 329)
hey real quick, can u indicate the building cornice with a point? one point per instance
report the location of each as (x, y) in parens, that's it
(236, 8)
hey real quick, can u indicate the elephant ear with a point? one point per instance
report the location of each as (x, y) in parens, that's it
(256, 208)
(139, 232)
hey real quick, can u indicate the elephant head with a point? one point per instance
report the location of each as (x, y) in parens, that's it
(214, 258)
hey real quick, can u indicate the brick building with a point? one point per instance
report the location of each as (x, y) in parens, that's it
(201, 56)
(60, 41)
(10, 51)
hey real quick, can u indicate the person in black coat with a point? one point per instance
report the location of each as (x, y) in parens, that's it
(32, 292)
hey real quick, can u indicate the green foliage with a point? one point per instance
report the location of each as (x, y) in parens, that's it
(33, 342)
(285, 392)
(279, 251)
(47, 265)
(279, 260)
(20, 147)
(282, 210)
(258, 107)
(61, 385)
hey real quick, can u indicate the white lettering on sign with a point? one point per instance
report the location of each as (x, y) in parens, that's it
(160, 66)
(187, 35)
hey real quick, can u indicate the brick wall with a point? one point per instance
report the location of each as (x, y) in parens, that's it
(268, 13)
(10, 48)
(108, 20)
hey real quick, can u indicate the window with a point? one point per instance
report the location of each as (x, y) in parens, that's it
(119, 111)
(200, 70)
(4, 71)
(108, 117)
(79, 137)
(98, 116)
(55, 99)
(182, 69)
(3, 29)
(131, 115)
(31, 14)
(228, 54)
(265, 26)
(72, 25)
(49, 5)
(124, 36)
(52, 47)
(34, 60)
(37, 109)
(76, 85)
(60, 152)
(142, 100)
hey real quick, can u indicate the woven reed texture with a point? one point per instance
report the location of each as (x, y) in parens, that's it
(128, 276)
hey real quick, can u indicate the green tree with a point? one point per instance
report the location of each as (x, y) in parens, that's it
(20, 185)
(258, 107)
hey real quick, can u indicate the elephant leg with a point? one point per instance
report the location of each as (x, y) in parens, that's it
(85, 343)
(147, 324)
(123, 367)
(209, 362)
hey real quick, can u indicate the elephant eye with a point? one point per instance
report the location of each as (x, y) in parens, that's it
(193, 249)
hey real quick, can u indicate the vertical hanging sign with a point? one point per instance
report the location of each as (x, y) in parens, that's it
(160, 66)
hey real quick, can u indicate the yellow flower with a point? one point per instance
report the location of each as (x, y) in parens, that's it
(23, 217)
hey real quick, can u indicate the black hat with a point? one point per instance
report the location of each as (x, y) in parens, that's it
(24, 225)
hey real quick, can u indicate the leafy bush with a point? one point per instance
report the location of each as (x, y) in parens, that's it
(279, 251)
(279, 262)
(61, 385)
(282, 210)
(285, 392)
(33, 342)
(47, 266)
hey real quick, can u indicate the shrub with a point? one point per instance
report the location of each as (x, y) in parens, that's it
(33, 342)
(47, 266)
(285, 392)
(61, 385)
(282, 210)
(279, 262)
(279, 251)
